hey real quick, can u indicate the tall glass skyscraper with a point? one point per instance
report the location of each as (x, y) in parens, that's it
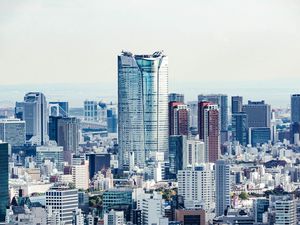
(35, 113)
(4, 197)
(142, 106)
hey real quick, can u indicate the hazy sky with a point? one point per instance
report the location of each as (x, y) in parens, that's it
(244, 42)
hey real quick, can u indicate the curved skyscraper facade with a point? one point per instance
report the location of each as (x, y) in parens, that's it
(142, 106)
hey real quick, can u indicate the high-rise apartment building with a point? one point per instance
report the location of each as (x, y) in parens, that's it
(4, 193)
(13, 132)
(34, 111)
(285, 210)
(178, 119)
(259, 114)
(240, 128)
(194, 153)
(142, 106)
(209, 130)
(198, 184)
(222, 186)
(222, 101)
(63, 201)
(236, 104)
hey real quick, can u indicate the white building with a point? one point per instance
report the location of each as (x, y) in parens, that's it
(80, 174)
(223, 186)
(152, 207)
(285, 211)
(63, 201)
(197, 186)
(114, 218)
(194, 154)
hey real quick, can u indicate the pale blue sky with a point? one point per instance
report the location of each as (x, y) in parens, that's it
(250, 42)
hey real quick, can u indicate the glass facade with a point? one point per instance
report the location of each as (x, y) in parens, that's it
(142, 106)
(4, 197)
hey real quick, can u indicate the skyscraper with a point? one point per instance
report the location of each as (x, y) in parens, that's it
(4, 196)
(222, 101)
(12, 131)
(222, 187)
(209, 130)
(178, 119)
(34, 112)
(295, 108)
(177, 147)
(259, 114)
(193, 115)
(236, 104)
(240, 128)
(142, 106)
(68, 133)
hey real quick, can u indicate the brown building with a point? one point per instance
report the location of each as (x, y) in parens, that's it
(190, 217)
(178, 118)
(209, 129)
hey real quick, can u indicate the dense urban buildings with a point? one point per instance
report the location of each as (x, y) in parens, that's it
(142, 106)
(151, 158)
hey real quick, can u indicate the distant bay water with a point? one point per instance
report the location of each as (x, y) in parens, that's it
(276, 93)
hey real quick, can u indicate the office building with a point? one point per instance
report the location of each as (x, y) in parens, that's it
(240, 128)
(294, 130)
(53, 153)
(177, 147)
(236, 104)
(259, 135)
(222, 101)
(59, 109)
(175, 97)
(98, 162)
(259, 114)
(261, 206)
(118, 199)
(13, 132)
(209, 130)
(137, 217)
(35, 114)
(178, 119)
(112, 120)
(190, 217)
(114, 218)
(64, 201)
(4, 194)
(68, 133)
(142, 106)
(285, 210)
(194, 153)
(222, 186)
(197, 184)
(295, 108)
